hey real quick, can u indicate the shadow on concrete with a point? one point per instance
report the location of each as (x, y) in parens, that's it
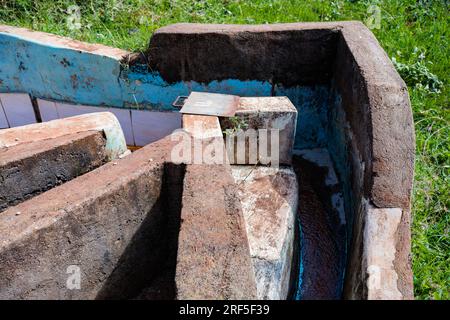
(146, 269)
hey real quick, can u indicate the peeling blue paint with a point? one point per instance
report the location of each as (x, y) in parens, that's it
(147, 89)
(58, 73)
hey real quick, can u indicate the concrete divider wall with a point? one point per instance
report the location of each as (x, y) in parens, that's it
(378, 161)
(99, 224)
(98, 121)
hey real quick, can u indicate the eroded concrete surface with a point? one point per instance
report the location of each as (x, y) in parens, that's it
(269, 203)
(31, 168)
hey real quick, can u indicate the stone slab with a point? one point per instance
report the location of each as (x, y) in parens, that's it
(202, 126)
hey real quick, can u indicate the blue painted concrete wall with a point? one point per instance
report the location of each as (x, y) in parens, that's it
(79, 77)
(73, 76)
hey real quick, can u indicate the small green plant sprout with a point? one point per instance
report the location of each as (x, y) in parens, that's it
(237, 124)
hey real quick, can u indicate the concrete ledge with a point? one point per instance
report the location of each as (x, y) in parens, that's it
(103, 223)
(63, 42)
(31, 168)
(100, 121)
(377, 107)
(381, 149)
(213, 254)
(378, 150)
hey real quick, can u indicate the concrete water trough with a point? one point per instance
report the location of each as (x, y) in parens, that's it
(324, 215)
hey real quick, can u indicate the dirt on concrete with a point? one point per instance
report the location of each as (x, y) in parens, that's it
(29, 169)
(321, 242)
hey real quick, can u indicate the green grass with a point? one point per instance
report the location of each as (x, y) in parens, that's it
(415, 33)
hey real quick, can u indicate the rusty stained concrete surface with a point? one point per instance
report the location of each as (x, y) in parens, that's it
(379, 253)
(213, 252)
(63, 42)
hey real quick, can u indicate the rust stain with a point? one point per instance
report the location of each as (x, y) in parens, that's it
(74, 80)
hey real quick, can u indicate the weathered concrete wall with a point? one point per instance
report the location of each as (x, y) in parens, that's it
(108, 222)
(377, 131)
(99, 121)
(372, 130)
(213, 253)
(31, 168)
(304, 52)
